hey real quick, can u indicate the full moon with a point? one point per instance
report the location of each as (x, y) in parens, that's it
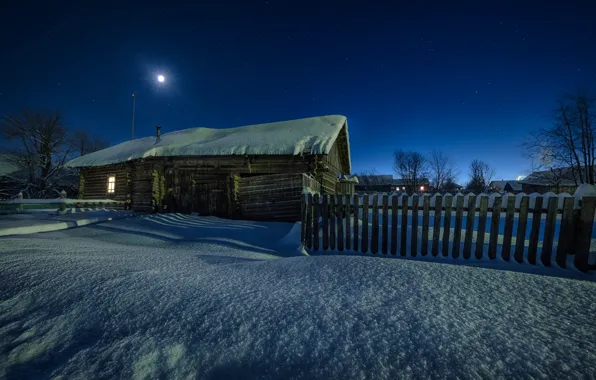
(161, 78)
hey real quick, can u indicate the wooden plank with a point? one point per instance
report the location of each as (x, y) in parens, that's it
(325, 220)
(340, 225)
(374, 243)
(364, 224)
(309, 222)
(470, 217)
(385, 230)
(459, 218)
(549, 231)
(332, 239)
(566, 234)
(394, 213)
(584, 233)
(437, 224)
(494, 227)
(535, 231)
(522, 222)
(447, 224)
(414, 238)
(356, 224)
(348, 219)
(316, 214)
(425, 225)
(508, 230)
(481, 226)
(404, 225)
(303, 203)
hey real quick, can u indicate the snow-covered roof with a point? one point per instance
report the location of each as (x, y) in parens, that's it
(8, 165)
(315, 135)
(500, 185)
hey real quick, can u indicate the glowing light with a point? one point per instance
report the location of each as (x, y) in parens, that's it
(421, 188)
(161, 78)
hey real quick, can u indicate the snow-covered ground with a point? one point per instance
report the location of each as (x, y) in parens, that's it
(197, 297)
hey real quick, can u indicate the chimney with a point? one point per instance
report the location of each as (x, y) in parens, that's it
(157, 133)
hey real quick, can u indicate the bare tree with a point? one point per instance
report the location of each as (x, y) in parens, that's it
(569, 142)
(441, 170)
(42, 147)
(411, 167)
(481, 175)
(85, 144)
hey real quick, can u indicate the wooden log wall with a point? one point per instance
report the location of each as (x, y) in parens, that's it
(95, 184)
(452, 236)
(270, 197)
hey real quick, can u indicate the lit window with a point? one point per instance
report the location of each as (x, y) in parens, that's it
(111, 184)
(421, 188)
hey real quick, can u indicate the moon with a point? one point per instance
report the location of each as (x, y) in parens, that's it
(161, 78)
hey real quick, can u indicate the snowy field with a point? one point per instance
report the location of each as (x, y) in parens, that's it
(196, 297)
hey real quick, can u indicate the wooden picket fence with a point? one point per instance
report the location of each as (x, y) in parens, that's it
(335, 218)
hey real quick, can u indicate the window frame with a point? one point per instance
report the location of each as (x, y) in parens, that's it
(113, 192)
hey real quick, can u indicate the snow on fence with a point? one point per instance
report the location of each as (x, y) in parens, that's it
(61, 204)
(517, 226)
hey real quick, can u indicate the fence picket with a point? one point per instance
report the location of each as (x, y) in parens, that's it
(535, 231)
(340, 226)
(385, 230)
(325, 217)
(437, 224)
(348, 216)
(309, 221)
(425, 225)
(495, 220)
(470, 216)
(404, 225)
(584, 233)
(481, 226)
(374, 242)
(447, 224)
(566, 233)
(508, 230)
(394, 212)
(522, 224)
(332, 222)
(303, 202)
(316, 212)
(549, 231)
(414, 239)
(459, 217)
(356, 224)
(365, 224)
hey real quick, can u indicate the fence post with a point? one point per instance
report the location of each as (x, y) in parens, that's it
(356, 224)
(365, 223)
(508, 230)
(316, 213)
(447, 224)
(62, 205)
(481, 226)
(494, 227)
(404, 225)
(566, 233)
(394, 213)
(414, 239)
(584, 233)
(549, 231)
(425, 225)
(374, 242)
(309, 221)
(522, 224)
(332, 210)
(535, 231)
(385, 230)
(348, 216)
(459, 217)
(340, 226)
(437, 224)
(470, 217)
(325, 217)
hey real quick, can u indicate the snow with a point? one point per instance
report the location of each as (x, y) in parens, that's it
(313, 135)
(57, 200)
(197, 297)
(44, 221)
(7, 166)
(585, 190)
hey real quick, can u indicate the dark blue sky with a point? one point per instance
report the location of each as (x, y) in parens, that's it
(471, 80)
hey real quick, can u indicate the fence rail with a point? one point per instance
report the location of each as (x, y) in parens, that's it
(524, 228)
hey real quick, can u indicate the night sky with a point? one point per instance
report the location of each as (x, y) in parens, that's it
(471, 80)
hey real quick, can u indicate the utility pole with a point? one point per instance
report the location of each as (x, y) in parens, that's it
(134, 101)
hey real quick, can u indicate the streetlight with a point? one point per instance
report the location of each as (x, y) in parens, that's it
(161, 79)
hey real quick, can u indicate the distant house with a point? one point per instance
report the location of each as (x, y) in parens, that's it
(250, 172)
(556, 180)
(508, 186)
(385, 183)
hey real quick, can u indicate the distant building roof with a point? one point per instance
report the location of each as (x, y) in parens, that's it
(501, 185)
(387, 179)
(555, 176)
